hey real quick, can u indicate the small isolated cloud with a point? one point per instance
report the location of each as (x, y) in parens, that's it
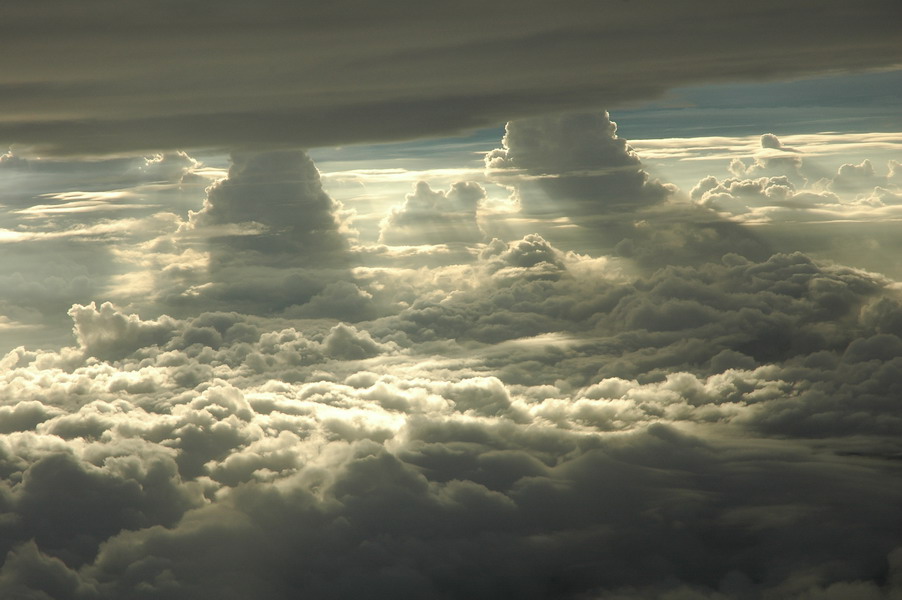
(435, 217)
(769, 140)
(774, 159)
(856, 178)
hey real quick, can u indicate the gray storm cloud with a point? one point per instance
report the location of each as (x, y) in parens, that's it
(137, 76)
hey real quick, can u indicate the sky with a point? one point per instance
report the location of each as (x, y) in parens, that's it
(588, 300)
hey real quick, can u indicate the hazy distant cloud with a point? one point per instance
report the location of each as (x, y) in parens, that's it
(159, 76)
(777, 186)
(435, 217)
(772, 160)
(726, 148)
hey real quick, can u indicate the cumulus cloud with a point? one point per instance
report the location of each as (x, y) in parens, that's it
(281, 194)
(694, 417)
(576, 180)
(578, 161)
(270, 240)
(854, 178)
(722, 430)
(161, 76)
(435, 217)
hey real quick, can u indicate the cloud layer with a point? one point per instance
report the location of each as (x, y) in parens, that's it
(722, 431)
(276, 408)
(127, 76)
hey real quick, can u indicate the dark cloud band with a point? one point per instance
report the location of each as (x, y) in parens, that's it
(130, 75)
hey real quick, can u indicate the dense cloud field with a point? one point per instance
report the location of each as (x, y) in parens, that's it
(273, 408)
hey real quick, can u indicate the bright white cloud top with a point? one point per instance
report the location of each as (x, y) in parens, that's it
(543, 363)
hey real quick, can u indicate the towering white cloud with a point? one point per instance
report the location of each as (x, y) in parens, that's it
(584, 169)
(274, 240)
(277, 197)
(574, 167)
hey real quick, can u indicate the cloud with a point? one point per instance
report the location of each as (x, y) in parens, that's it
(282, 193)
(855, 177)
(108, 334)
(579, 163)
(777, 187)
(283, 410)
(539, 425)
(272, 235)
(578, 182)
(434, 217)
(156, 77)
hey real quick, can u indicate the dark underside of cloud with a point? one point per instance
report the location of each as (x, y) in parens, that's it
(137, 76)
(695, 418)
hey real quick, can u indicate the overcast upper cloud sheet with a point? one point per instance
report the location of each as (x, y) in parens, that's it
(111, 76)
(547, 363)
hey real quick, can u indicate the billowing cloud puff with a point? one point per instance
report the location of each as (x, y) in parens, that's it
(773, 160)
(855, 178)
(272, 241)
(279, 194)
(741, 196)
(108, 334)
(718, 431)
(579, 163)
(777, 187)
(141, 76)
(435, 217)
